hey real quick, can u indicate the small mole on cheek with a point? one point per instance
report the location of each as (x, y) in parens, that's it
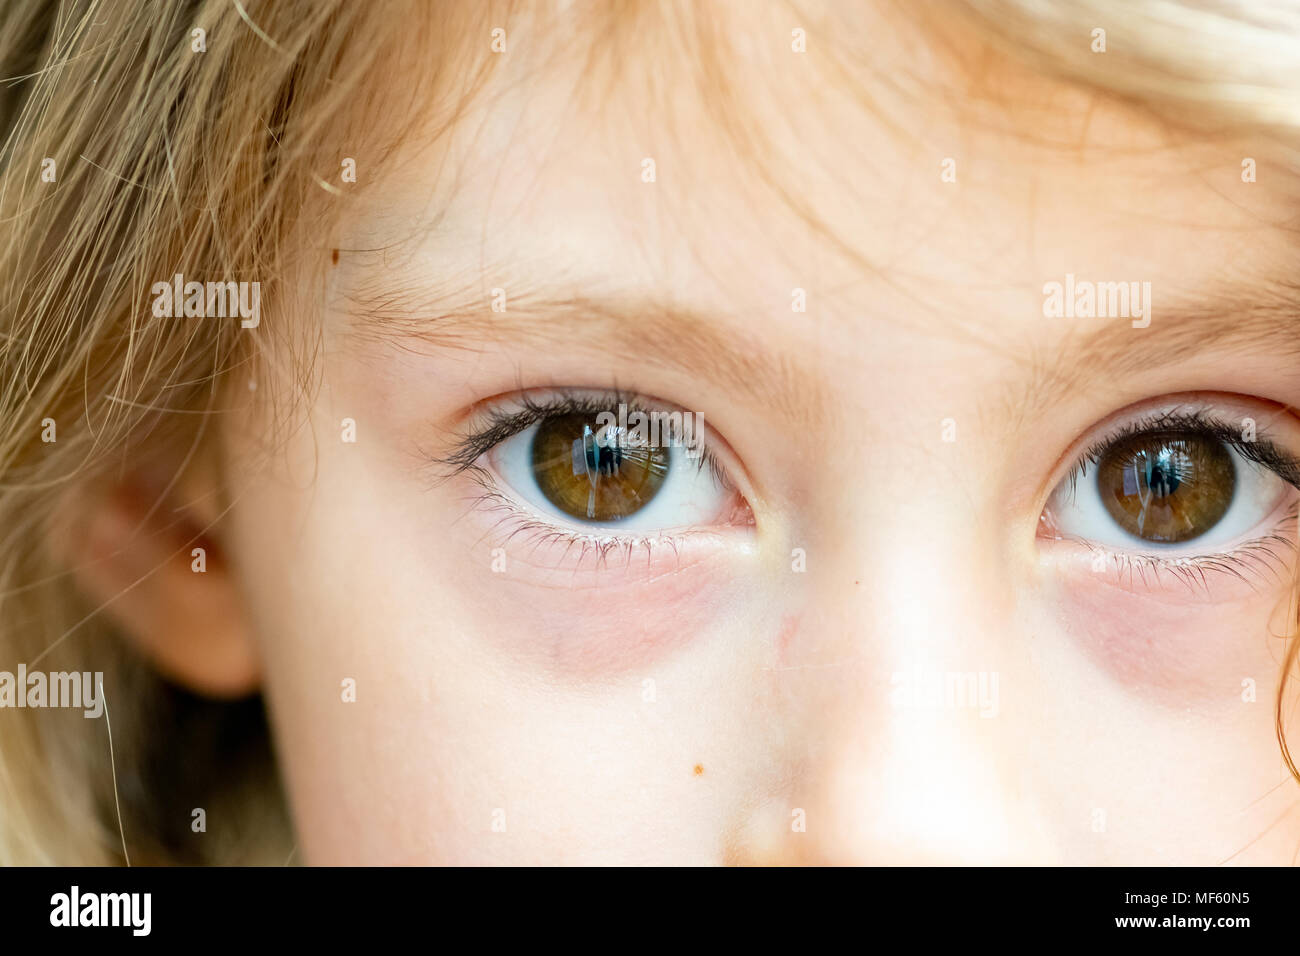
(335, 257)
(699, 770)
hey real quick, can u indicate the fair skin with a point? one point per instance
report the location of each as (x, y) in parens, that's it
(1120, 734)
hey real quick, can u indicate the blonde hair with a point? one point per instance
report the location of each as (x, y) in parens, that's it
(220, 164)
(165, 161)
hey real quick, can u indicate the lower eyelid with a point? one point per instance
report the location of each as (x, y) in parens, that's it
(572, 557)
(1260, 563)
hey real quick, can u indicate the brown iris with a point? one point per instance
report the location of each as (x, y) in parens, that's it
(591, 476)
(1166, 487)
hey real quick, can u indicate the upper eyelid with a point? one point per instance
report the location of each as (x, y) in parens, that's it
(497, 424)
(1263, 449)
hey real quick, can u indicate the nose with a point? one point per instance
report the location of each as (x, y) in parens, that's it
(917, 726)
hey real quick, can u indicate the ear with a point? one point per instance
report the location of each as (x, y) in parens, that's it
(150, 558)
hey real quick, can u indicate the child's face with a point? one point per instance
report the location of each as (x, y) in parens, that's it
(746, 672)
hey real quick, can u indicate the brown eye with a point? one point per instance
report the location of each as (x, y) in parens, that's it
(590, 477)
(1167, 487)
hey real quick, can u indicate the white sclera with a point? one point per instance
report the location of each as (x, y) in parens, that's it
(1079, 511)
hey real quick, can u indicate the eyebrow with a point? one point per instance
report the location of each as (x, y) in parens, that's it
(714, 346)
(718, 348)
(1239, 325)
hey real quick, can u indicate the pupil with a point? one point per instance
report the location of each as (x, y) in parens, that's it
(1164, 474)
(604, 459)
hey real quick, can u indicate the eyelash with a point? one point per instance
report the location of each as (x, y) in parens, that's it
(1256, 557)
(497, 425)
(1261, 451)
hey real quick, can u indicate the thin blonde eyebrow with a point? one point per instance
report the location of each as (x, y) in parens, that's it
(648, 331)
(1102, 352)
(1238, 326)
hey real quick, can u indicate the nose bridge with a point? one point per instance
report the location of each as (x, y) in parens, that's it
(920, 760)
(929, 581)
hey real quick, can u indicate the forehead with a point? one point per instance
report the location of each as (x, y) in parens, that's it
(910, 203)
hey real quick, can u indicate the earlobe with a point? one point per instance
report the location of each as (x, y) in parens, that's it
(155, 569)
